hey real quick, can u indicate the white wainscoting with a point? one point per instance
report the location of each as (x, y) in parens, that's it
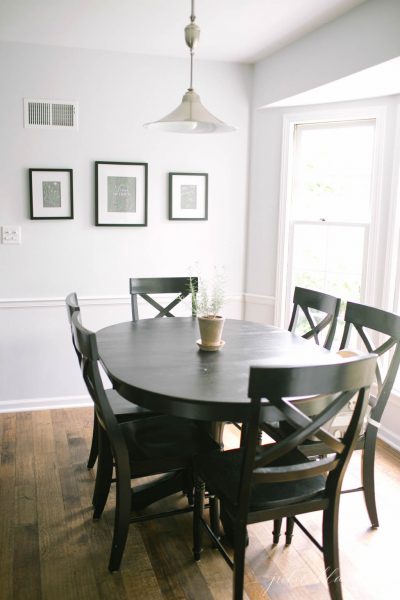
(389, 430)
(39, 368)
(259, 308)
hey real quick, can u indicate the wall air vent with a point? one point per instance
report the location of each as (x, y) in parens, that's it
(50, 114)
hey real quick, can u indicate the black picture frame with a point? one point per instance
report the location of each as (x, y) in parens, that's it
(121, 194)
(51, 194)
(188, 196)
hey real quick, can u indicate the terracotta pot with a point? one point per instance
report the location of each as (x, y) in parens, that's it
(211, 330)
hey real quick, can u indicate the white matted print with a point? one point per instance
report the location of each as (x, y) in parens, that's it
(51, 193)
(121, 194)
(188, 196)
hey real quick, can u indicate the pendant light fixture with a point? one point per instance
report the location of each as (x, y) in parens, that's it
(190, 116)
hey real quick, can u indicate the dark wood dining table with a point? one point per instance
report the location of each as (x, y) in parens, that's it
(157, 364)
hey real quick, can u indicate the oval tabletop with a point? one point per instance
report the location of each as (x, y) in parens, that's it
(157, 364)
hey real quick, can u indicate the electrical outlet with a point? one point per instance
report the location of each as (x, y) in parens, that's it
(11, 234)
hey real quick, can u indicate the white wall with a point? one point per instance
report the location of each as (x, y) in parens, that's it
(361, 38)
(365, 36)
(266, 189)
(116, 93)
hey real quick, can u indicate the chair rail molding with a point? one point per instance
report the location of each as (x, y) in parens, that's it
(87, 301)
(55, 302)
(259, 299)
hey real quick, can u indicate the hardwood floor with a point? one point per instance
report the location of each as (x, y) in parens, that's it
(51, 549)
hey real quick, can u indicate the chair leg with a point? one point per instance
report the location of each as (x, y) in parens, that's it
(122, 515)
(368, 474)
(94, 448)
(188, 485)
(331, 549)
(239, 560)
(276, 533)
(289, 530)
(105, 465)
(214, 517)
(199, 491)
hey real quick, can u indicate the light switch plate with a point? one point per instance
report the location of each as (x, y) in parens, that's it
(11, 234)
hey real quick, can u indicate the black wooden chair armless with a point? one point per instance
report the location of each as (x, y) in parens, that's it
(145, 287)
(267, 482)
(320, 327)
(122, 409)
(159, 444)
(379, 332)
(371, 330)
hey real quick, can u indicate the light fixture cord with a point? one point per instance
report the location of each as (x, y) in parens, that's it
(192, 19)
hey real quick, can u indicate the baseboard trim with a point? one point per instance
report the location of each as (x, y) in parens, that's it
(392, 439)
(32, 404)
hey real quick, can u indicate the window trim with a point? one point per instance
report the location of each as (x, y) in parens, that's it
(290, 120)
(391, 280)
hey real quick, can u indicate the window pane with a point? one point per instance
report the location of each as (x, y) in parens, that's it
(329, 258)
(332, 171)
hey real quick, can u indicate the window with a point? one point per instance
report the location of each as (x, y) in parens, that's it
(328, 208)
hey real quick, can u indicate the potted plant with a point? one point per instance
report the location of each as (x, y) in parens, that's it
(208, 303)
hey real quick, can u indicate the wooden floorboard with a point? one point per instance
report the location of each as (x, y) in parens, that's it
(51, 549)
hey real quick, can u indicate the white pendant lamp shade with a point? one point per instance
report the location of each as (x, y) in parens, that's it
(190, 116)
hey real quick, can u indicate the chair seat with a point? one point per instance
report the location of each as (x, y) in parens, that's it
(223, 479)
(123, 409)
(164, 443)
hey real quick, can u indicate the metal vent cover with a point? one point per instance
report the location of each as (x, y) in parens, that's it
(50, 114)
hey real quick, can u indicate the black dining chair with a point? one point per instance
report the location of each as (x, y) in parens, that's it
(367, 329)
(145, 287)
(314, 315)
(122, 409)
(266, 482)
(140, 448)
(377, 331)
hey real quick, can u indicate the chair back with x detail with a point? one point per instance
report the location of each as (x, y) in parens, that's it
(144, 286)
(72, 305)
(305, 300)
(122, 409)
(136, 449)
(369, 322)
(266, 482)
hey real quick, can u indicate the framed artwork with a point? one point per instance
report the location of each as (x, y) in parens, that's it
(188, 196)
(51, 194)
(121, 194)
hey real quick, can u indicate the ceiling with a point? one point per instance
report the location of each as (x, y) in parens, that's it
(380, 80)
(231, 30)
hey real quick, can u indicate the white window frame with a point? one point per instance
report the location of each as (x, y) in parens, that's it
(392, 273)
(290, 120)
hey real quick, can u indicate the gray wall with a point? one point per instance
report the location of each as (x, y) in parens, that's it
(116, 93)
(366, 36)
(363, 37)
